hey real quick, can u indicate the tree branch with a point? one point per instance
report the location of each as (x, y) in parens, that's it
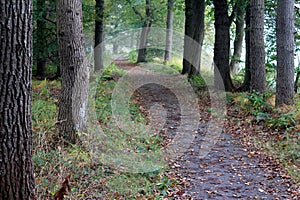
(49, 20)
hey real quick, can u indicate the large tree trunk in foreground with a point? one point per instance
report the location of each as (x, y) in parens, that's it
(194, 36)
(16, 169)
(221, 47)
(169, 32)
(98, 49)
(74, 70)
(285, 52)
(257, 46)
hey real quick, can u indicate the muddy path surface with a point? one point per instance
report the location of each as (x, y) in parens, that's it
(229, 171)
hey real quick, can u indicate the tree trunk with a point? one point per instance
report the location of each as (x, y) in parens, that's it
(194, 36)
(247, 77)
(74, 70)
(285, 52)
(98, 49)
(41, 36)
(143, 43)
(144, 34)
(16, 168)
(239, 37)
(115, 48)
(169, 33)
(132, 39)
(257, 46)
(222, 46)
(188, 30)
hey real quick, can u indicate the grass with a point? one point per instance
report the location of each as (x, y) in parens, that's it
(91, 178)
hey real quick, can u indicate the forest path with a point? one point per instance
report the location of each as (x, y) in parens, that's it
(227, 172)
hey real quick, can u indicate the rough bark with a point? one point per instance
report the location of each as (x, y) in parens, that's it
(74, 70)
(257, 46)
(144, 34)
(169, 32)
(194, 36)
(247, 76)
(41, 36)
(16, 169)
(239, 37)
(98, 49)
(285, 52)
(222, 46)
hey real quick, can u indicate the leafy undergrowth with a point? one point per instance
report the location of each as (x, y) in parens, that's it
(272, 134)
(91, 178)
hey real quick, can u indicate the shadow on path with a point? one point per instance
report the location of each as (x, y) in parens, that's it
(227, 172)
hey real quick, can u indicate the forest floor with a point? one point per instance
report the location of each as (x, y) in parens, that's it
(235, 168)
(256, 155)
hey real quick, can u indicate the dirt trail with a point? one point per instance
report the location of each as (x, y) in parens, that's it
(227, 172)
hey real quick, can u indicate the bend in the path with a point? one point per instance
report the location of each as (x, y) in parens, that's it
(227, 172)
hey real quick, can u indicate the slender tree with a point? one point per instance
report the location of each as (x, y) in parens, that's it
(285, 52)
(98, 49)
(16, 169)
(247, 77)
(194, 36)
(240, 9)
(222, 45)
(257, 46)
(74, 70)
(169, 32)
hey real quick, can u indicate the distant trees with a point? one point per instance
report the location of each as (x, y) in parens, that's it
(74, 70)
(169, 31)
(240, 11)
(16, 168)
(285, 52)
(247, 76)
(40, 39)
(44, 37)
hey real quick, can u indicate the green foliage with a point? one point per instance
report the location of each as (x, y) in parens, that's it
(44, 109)
(48, 16)
(112, 72)
(256, 102)
(238, 78)
(52, 163)
(132, 56)
(155, 53)
(197, 82)
(261, 107)
(283, 121)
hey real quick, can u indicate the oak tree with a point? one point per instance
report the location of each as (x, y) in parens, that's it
(16, 168)
(74, 70)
